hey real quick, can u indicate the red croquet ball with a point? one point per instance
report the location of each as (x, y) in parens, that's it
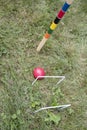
(38, 72)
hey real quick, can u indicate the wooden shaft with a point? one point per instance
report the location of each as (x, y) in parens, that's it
(41, 44)
(69, 1)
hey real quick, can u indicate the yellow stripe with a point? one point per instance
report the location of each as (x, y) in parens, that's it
(53, 26)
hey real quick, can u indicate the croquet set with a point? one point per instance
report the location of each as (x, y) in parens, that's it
(39, 72)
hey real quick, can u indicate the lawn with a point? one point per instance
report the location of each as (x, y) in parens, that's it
(22, 26)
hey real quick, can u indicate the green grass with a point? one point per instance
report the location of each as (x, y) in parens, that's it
(22, 26)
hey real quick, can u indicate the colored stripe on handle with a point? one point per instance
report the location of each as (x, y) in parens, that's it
(56, 21)
(60, 14)
(53, 26)
(47, 35)
(65, 7)
(50, 31)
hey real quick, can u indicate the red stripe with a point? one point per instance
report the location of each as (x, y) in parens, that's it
(60, 14)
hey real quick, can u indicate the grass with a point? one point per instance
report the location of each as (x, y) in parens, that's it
(22, 26)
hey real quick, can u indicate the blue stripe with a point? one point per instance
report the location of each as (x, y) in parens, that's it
(65, 7)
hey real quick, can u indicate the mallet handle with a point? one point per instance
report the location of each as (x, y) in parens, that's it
(54, 24)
